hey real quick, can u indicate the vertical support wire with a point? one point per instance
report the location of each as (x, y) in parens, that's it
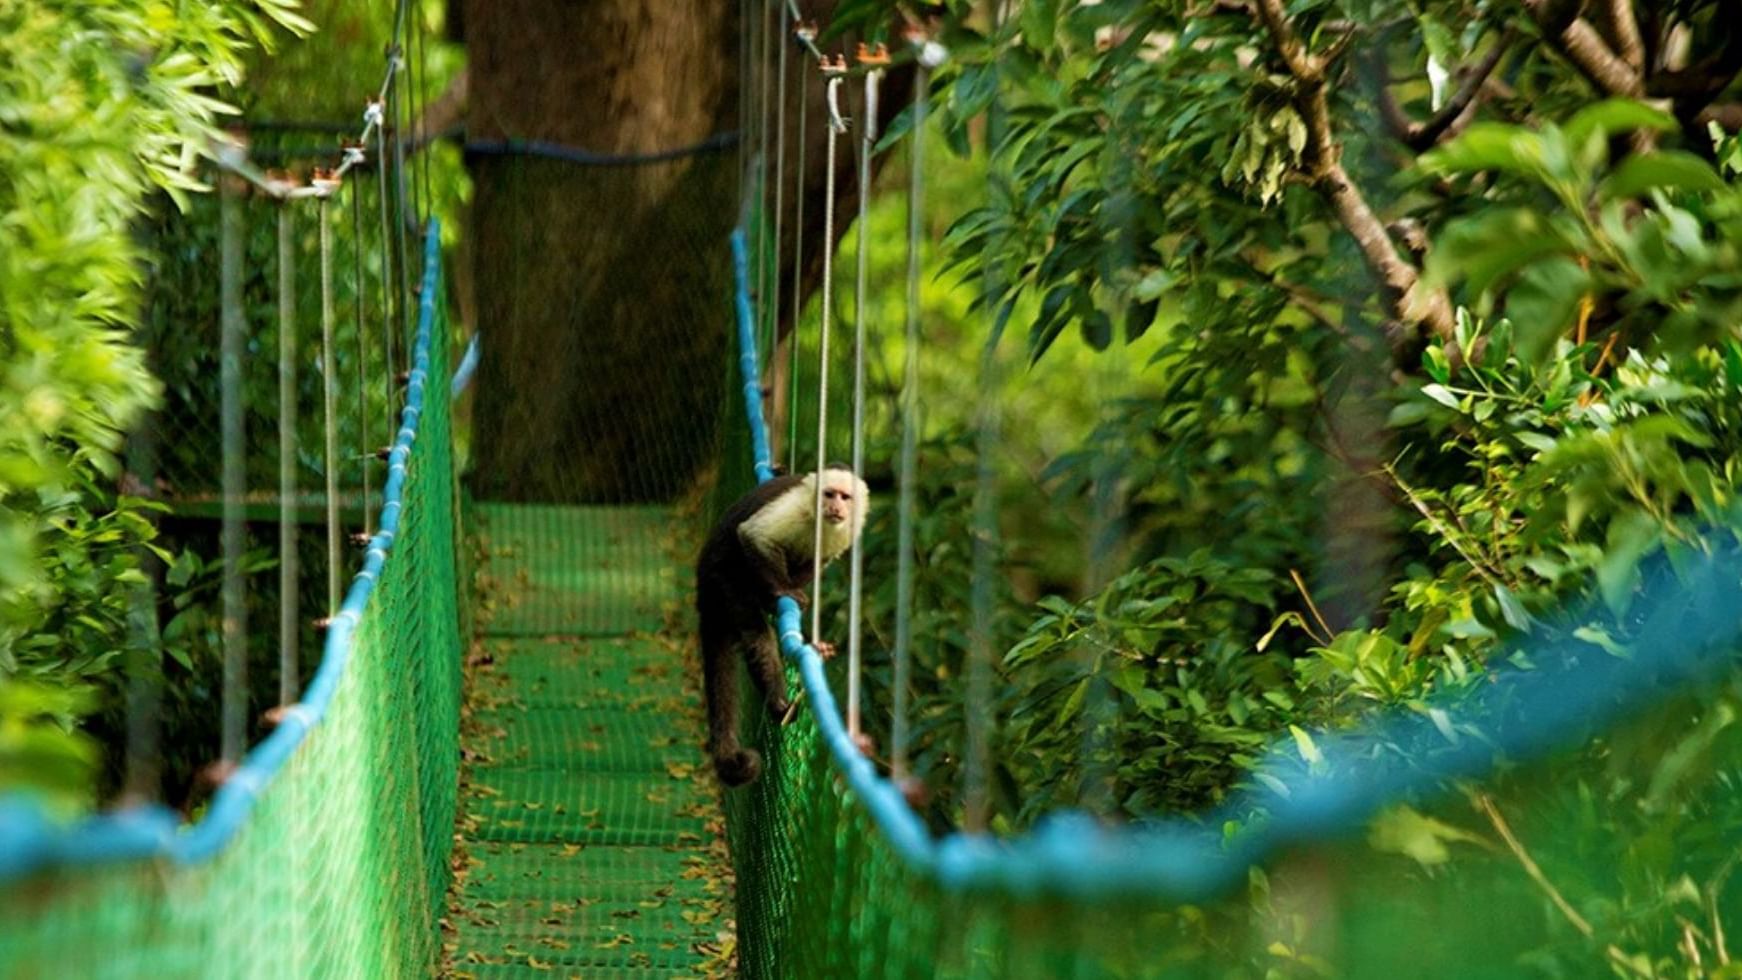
(143, 765)
(978, 709)
(976, 765)
(765, 264)
(418, 70)
(363, 448)
(402, 323)
(910, 423)
(779, 40)
(389, 296)
(1101, 707)
(746, 41)
(855, 588)
(798, 197)
(232, 337)
(289, 630)
(837, 126)
(330, 410)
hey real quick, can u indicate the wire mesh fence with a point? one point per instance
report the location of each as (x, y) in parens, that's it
(326, 852)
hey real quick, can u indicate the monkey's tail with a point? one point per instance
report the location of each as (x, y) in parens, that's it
(737, 766)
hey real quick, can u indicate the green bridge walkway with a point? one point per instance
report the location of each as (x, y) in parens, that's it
(590, 840)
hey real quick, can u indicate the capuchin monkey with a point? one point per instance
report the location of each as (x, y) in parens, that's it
(764, 547)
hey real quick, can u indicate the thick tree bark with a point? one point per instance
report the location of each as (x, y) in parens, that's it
(603, 292)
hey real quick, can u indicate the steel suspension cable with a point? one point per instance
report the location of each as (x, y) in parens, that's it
(779, 191)
(363, 449)
(420, 106)
(232, 339)
(389, 308)
(766, 257)
(930, 56)
(837, 126)
(330, 409)
(805, 34)
(289, 628)
(977, 707)
(856, 564)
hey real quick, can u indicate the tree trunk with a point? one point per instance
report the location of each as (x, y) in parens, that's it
(603, 291)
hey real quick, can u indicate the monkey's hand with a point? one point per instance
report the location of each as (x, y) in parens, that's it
(824, 649)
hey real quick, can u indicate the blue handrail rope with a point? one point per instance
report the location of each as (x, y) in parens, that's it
(468, 365)
(1693, 626)
(717, 143)
(30, 840)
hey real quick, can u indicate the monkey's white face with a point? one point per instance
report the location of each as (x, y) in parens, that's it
(838, 502)
(790, 520)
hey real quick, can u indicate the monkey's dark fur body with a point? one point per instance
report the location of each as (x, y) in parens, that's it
(735, 592)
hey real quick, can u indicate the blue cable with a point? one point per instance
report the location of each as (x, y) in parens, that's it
(1693, 625)
(31, 840)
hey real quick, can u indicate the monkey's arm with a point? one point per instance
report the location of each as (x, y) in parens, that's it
(773, 567)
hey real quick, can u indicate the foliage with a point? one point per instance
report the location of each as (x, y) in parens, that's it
(102, 104)
(1441, 346)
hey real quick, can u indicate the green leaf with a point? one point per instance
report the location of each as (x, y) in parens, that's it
(1423, 839)
(1542, 304)
(1598, 636)
(1440, 393)
(1511, 609)
(1050, 322)
(1631, 537)
(1492, 245)
(1611, 116)
(1666, 169)
(1303, 743)
(1139, 317)
(1489, 146)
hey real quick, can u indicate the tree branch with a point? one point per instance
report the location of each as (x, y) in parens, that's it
(1728, 116)
(1586, 49)
(1624, 31)
(1301, 63)
(1485, 803)
(1400, 281)
(1695, 86)
(1441, 123)
(1454, 115)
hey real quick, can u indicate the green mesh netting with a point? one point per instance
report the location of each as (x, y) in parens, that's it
(591, 839)
(341, 867)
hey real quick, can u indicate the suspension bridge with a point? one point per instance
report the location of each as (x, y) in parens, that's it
(496, 768)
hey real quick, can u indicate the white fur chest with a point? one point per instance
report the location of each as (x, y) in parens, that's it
(789, 523)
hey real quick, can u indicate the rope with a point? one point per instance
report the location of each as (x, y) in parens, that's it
(855, 589)
(232, 155)
(792, 386)
(764, 258)
(418, 32)
(909, 461)
(976, 767)
(805, 33)
(389, 307)
(362, 345)
(747, 42)
(779, 186)
(289, 629)
(232, 340)
(468, 366)
(330, 409)
(837, 126)
(716, 143)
